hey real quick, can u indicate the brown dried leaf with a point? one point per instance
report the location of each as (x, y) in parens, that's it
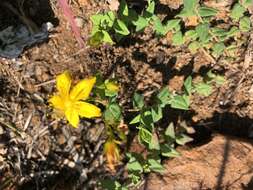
(191, 21)
(169, 36)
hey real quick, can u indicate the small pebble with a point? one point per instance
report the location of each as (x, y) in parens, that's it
(79, 22)
(48, 26)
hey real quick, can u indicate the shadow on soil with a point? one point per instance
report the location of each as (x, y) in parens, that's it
(228, 124)
(39, 11)
(65, 180)
(249, 186)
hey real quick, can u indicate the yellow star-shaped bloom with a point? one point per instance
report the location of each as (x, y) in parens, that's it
(71, 102)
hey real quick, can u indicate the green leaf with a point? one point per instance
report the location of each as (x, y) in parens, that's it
(203, 88)
(245, 24)
(218, 32)
(172, 25)
(194, 46)
(207, 11)
(158, 26)
(123, 8)
(203, 32)
(170, 131)
(138, 101)
(190, 35)
(96, 19)
(177, 39)
(218, 49)
(95, 29)
(120, 28)
(134, 177)
(181, 102)
(246, 3)
(232, 50)
(183, 139)
(164, 97)
(141, 23)
(154, 144)
(146, 118)
(103, 21)
(155, 166)
(232, 32)
(168, 151)
(118, 36)
(219, 80)
(132, 17)
(112, 113)
(144, 135)
(156, 112)
(188, 85)
(189, 8)
(237, 12)
(210, 74)
(151, 7)
(223, 34)
(106, 37)
(109, 184)
(190, 4)
(135, 120)
(109, 88)
(134, 166)
(133, 163)
(96, 39)
(110, 18)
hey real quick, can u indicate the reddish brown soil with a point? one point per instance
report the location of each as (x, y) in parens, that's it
(46, 153)
(223, 163)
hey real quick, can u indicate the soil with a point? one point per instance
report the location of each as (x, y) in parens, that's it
(230, 168)
(38, 151)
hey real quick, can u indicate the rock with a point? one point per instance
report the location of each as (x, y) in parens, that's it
(79, 22)
(223, 163)
(48, 26)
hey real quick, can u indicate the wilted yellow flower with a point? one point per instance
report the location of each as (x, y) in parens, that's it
(111, 152)
(71, 101)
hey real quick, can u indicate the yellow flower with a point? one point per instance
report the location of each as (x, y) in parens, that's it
(111, 152)
(70, 101)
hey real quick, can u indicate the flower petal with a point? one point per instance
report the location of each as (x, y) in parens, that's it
(56, 102)
(63, 83)
(82, 89)
(72, 117)
(111, 152)
(87, 110)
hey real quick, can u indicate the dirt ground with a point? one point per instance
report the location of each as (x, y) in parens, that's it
(197, 168)
(38, 151)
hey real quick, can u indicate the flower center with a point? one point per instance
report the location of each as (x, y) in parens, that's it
(68, 104)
